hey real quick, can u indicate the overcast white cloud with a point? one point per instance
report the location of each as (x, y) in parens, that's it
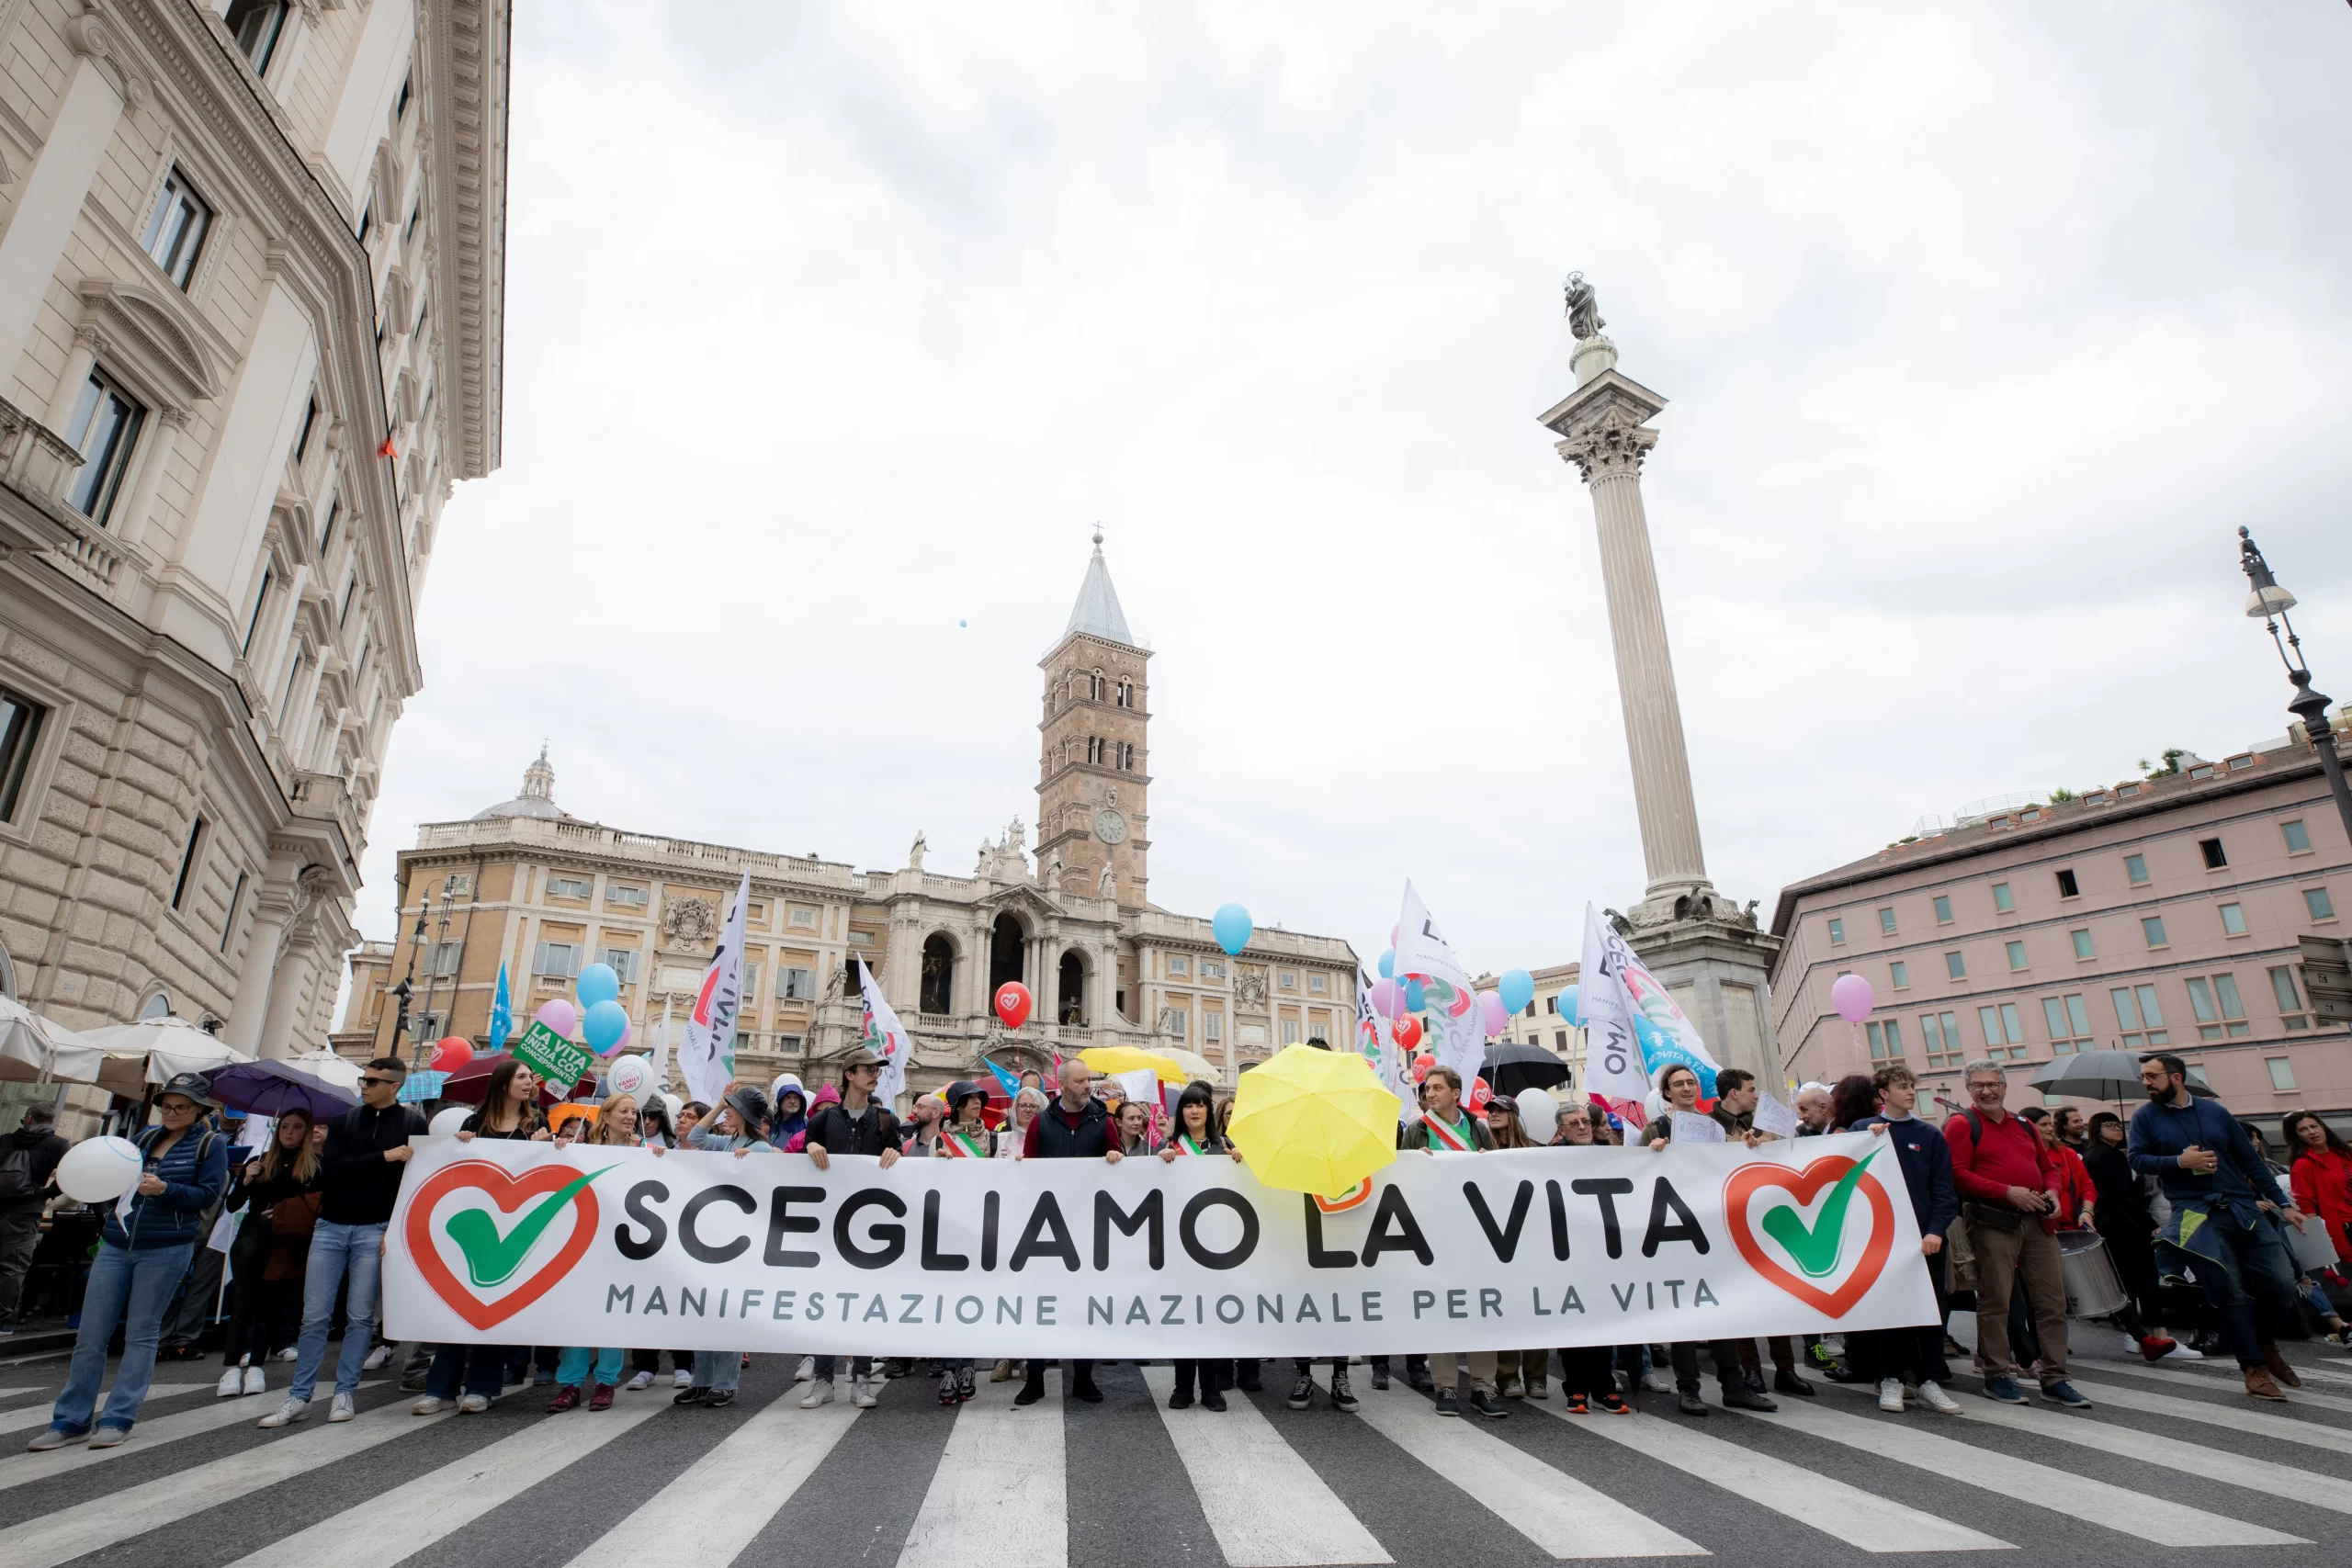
(832, 328)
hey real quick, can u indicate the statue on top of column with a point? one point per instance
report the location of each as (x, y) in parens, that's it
(1584, 309)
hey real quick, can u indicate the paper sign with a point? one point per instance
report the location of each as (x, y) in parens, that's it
(554, 1058)
(1775, 1117)
(224, 1230)
(1690, 1127)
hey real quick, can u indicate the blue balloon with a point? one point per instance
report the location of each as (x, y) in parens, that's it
(963, 623)
(1232, 928)
(1389, 963)
(597, 983)
(1517, 988)
(1414, 999)
(1568, 1005)
(604, 1025)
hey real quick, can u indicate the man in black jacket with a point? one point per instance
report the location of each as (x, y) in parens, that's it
(1075, 1126)
(860, 1124)
(360, 1169)
(27, 1157)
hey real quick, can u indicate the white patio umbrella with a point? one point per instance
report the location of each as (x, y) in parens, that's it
(30, 1043)
(324, 1065)
(129, 1056)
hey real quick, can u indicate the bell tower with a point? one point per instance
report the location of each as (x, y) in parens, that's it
(1092, 769)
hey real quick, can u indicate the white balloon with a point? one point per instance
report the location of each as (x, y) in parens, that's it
(99, 1170)
(1537, 1113)
(448, 1120)
(629, 1075)
(674, 1105)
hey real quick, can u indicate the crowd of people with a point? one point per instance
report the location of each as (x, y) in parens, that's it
(2179, 1192)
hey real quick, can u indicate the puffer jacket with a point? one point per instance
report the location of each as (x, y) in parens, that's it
(195, 1172)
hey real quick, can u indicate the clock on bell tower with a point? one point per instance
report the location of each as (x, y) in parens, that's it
(1091, 777)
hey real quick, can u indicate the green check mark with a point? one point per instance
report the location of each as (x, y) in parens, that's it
(1814, 1248)
(491, 1258)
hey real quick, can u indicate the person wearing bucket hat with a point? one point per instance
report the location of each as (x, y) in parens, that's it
(143, 1252)
(964, 1135)
(734, 1129)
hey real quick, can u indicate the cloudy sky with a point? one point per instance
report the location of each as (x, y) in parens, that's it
(833, 330)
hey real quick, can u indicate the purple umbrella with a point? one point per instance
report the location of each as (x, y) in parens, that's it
(272, 1087)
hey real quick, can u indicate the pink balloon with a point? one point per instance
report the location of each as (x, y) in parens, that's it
(1852, 998)
(559, 1016)
(1388, 998)
(1495, 1016)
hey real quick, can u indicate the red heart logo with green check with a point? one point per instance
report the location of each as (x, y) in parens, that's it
(494, 1258)
(1820, 1249)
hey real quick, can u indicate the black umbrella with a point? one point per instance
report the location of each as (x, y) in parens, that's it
(1511, 1067)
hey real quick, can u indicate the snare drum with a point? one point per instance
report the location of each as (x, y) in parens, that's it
(2093, 1287)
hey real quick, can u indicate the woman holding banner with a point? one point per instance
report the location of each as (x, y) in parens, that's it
(616, 1128)
(963, 1136)
(510, 1110)
(1196, 1137)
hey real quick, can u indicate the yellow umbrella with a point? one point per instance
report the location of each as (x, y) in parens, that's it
(1195, 1065)
(1310, 1120)
(1116, 1059)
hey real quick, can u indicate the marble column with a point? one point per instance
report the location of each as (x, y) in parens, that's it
(1602, 426)
(274, 910)
(288, 990)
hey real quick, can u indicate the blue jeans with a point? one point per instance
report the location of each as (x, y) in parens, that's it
(715, 1369)
(572, 1368)
(132, 1288)
(2250, 1280)
(483, 1368)
(335, 1249)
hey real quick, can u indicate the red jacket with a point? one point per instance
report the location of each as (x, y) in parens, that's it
(2011, 1155)
(2322, 1183)
(2071, 1179)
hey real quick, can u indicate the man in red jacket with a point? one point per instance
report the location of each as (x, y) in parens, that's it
(2006, 1181)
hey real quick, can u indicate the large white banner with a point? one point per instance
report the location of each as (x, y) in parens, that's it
(532, 1244)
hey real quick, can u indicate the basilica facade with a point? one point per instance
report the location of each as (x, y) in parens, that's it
(525, 883)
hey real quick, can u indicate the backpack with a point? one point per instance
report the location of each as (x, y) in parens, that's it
(17, 1174)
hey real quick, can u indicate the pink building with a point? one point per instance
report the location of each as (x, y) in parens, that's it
(2158, 913)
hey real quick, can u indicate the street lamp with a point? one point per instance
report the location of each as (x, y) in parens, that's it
(2269, 603)
(406, 988)
(433, 968)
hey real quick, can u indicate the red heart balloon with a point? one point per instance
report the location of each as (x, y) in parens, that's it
(1408, 1032)
(507, 1193)
(1806, 1185)
(1012, 1003)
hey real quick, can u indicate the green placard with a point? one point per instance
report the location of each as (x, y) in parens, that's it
(554, 1058)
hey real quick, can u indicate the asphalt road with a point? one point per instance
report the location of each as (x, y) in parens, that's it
(2173, 1466)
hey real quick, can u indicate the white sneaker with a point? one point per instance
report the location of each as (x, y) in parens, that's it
(257, 1380)
(377, 1359)
(431, 1405)
(232, 1384)
(683, 1378)
(1890, 1395)
(860, 1393)
(288, 1411)
(821, 1391)
(2131, 1346)
(291, 1353)
(640, 1382)
(2179, 1352)
(805, 1370)
(343, 1409)
(473, 1404)
(1937, 1400)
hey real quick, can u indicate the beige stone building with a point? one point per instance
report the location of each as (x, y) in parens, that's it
(525, 883)
(1540, 1023)
(251, 299)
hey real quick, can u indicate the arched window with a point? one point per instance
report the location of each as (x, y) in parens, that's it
(1007, 945)
(8, 975)
(1126, 694)
(156, 1006)
(1070, 989)
(1094, 750)
(938, 973)
(1094, 686)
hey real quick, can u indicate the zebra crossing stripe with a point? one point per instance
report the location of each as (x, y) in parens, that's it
(1264, 1503)
(999, 1497)
(1555, 1510)
(2304, 1398)
(2254, 1423)
(26, 1418)
(757, 1468)
(394, 1525)
(169, 1500)
(2094, 1502)
(144, 1436)
(1862, 1519)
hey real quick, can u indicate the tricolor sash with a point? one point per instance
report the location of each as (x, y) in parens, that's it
(1455, 1140)
(957, 1145)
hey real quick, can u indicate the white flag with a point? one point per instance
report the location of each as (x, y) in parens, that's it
(1636, 1027)
(1422, 952)
(1376, 1040)
(884, 1036)
(706, 1055)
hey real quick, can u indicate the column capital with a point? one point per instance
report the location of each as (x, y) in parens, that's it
(1602, 425)
(1606, 449)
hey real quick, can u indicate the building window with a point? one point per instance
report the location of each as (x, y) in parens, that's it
(1836, 931)
(1094, 750)
(746, 1043)
(2004, 1031)
(1289, 980)
(623, 961)
(256, 25)
(1290, 1032)
(1212, 968)
(441, 958)
(557, 960)
(2211, 850)
(751, 983)
(2219, 1010)
(2290, 1002)
(1942, 1031)
(187, 862)
(1886, 922)
(2299, 839)
(1212, 1028)
(788, 1044)
(2069, 1022)
(806, 918)
(2136, 1009)
(1176, 1022)
(795, 985)
(2082, 939)
(625, 897)
(2016, 955)
(1179, 968)
(1955, 965)
(20, 721)
(2067, 886)
(2135, 867)
(567, 887)
(1319, 984)
(2152, 927)
(399, 105)
(105, 428)
(2320, 906)
(2002, 902)
(2234, 920)
(1126, 694)
(175, 235)
(229, 919)
(2282, 1073)
(1886, 1043)
(1899, 973)
(1943, 909)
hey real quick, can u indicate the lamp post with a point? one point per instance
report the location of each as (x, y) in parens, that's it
(407, 988)
(2269, 603)
(433, 970)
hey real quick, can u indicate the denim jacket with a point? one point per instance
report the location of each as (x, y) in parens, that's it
(195, 1172)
